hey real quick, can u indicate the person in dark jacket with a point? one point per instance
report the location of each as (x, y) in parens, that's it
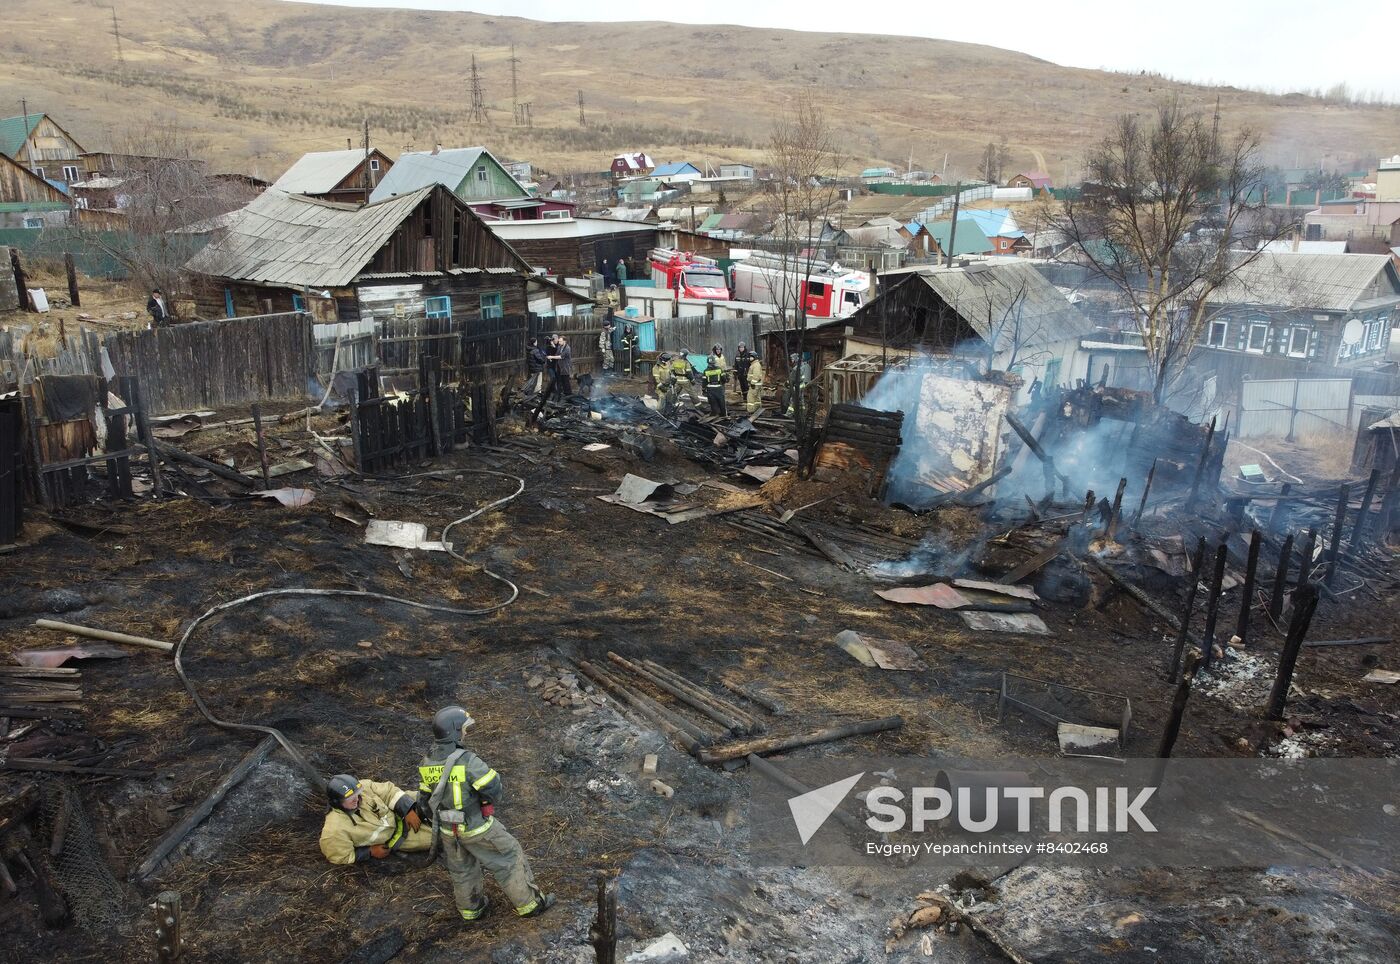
(715, 377)
(562, 358)
(743, 358)
(160, 312)
(535, 364)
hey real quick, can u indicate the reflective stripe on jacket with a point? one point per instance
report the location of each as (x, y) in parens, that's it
(374, 822)
(470, 783)
(755, 374)
(714, 377)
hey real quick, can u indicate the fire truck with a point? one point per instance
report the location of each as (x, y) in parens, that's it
(688, 275)
(826, 290)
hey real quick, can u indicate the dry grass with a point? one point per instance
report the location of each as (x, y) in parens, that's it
(267, 80)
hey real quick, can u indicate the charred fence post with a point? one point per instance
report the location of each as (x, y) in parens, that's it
(1213, 606)
(1195, 580)
(1305, 565)
(71, 270)
(1338, 521)
(603, 932)
(262, 445)
(1178, 710)
(167, 917)
(1111, 529)
(1280, 507)
(1247, 600)
(1359, 530)
(1146, 491)
(1285, 555)
(1201, 465)
(1304, 604)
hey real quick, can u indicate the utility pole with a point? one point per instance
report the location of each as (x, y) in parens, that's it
(581, 121)
(28, 149)
(953, 228)
(478, 114)
(514, 87)
(116, 32)
(368, 185)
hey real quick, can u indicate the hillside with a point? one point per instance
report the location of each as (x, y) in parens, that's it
(265, 80)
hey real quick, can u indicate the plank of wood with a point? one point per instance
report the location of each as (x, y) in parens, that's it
(1035, 562)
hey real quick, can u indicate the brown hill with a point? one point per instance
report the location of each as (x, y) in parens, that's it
(266, 80)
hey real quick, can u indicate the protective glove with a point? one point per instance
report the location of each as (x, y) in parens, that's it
(412, 820)
(379, 851)
(487, 810)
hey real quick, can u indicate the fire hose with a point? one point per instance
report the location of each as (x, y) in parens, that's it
(292, 750)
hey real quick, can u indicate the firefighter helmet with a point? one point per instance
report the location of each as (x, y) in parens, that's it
(450, 721)
(340, 788)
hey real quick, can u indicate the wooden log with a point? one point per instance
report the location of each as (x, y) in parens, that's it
(1192, 587)
(1217, 581)
(775, 744)
(222, 471)
(1305, 566)
(60, 825)
(71, 270)
(176, 834)
(1035, 562)
(108, 635)
(1247, 594)
(602, 933)
(751, 726)
(698, 705)
(756, 698)
(1304, 605)
(166, 911)
(58, 766)
(262, 445)
(1285, 555)
(1147, 601)
(797, 787)
(1110, 532)
(680, 730)
(1362, 641)
(833, 552)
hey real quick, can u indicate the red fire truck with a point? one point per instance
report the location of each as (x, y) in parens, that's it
(688, 275)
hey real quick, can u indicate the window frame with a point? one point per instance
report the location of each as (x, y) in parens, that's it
(75, 176)
(1293, 333)
(494, 307)
(34, 224)
(1249, 338)
(481, 175)
(438, 306)
(1374, 327)
(374, 164)
(1224, 327)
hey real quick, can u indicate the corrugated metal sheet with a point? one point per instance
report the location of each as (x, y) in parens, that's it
(1327, 282)
(1299, 406)
(287, 239)
(1007, 301)
(318, 172)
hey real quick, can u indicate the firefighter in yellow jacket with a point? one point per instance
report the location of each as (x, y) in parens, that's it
(369, 820)
(754, 379)
(461, 792)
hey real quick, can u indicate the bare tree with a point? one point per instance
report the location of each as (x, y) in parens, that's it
(166, 206)
(803, 155)
(995, 158)
(1170, 212)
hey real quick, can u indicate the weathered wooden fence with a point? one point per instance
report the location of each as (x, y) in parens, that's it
(580, 331)
(396, 429)
(210, 364)
(697, 334)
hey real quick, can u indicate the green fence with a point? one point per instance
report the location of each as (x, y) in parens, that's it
(914, 190)
(54, 243)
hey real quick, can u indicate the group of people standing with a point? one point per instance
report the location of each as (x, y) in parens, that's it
(673, 373)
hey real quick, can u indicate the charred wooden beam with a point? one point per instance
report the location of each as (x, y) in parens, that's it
(1304, 605)
(775, 744)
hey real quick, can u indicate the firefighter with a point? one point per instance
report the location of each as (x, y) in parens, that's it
(718, 351)
(799, 375)
(661, 371)
(742, 358)
(368, 820)
(753, 379)
(715, 377)
(461, 793)
(605, 342)
(629, 348)
(680, 378)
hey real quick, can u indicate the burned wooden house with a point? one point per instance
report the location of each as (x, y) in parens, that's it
(418, 266)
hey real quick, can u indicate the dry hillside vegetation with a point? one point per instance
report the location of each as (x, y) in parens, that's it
(268, 80)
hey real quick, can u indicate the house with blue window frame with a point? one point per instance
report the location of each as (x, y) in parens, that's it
(1290, 310)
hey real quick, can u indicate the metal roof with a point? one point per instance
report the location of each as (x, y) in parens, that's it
(1327, 282)
(994, 222)
(319, 171)
(1009, 300)
(418, 169)
(551, 228)
(1284, 246)
(292, 240)
(670, 170)
(13, 132)
(970, 239)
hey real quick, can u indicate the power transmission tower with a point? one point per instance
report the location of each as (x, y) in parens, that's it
(525, 112)
(514, 87)
(478, 114)
(116, 32)
(581, 121)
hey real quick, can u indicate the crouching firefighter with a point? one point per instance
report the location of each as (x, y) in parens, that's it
(461, 793)
(369, 820)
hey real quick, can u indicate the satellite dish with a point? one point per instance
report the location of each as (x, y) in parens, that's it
(1352, 332)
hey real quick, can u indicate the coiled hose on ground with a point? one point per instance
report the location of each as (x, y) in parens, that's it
(292, 750)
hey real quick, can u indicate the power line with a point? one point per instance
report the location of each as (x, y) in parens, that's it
(514, 86)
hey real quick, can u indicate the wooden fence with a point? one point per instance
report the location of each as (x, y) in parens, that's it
(388, 431)
(211, 364)
(580, 331)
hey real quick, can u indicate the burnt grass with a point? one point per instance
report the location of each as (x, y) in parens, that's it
(593, 578)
